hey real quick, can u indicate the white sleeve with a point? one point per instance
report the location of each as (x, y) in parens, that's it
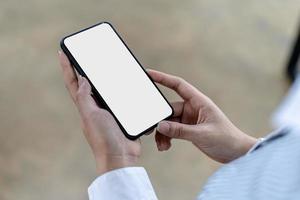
(259, 141)
(129, 183)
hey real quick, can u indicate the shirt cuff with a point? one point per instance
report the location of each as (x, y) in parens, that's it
(260, 140)
(125, 183)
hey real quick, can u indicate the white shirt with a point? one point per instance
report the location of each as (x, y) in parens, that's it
(124, 183)
(270, 170)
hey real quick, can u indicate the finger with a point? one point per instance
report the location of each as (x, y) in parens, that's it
(178, 108)
(183, 88)
(163, 142)
(85, 102)
(149, 132)
(70, 78)
(175, 119)
(177, 130)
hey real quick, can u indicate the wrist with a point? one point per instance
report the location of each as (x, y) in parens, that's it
(245, 143)
(111, 162)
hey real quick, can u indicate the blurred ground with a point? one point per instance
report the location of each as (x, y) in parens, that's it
(234, 51)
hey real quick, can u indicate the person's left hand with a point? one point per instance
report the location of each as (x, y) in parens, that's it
(112, 150)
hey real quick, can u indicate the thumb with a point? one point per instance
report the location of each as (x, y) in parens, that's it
(177, 130)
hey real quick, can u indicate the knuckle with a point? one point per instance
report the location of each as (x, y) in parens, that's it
(178, 82)
(176, 85)
(79, 95)
(178, 131)
(73, 81)
(90, 117)
(180, 79)
(186, 83)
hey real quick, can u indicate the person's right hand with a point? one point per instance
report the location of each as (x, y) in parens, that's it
(198, 120)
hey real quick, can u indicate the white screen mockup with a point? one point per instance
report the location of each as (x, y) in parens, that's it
(118, 78)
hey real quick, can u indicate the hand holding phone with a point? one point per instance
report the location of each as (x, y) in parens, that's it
(110, 147)
(117, 79)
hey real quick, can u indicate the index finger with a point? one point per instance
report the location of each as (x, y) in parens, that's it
(182, 88)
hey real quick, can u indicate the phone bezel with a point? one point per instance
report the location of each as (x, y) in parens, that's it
(96, 94)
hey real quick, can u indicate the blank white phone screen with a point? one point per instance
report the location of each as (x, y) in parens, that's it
(118, 78)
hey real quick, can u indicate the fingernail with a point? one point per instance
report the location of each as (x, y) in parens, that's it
(161, 147)
(158, 147)
(165, 145)
(59, 52)
(163, 127)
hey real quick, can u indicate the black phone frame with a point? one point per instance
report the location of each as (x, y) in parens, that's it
(98, 98)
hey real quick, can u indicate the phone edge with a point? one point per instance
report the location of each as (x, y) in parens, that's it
(77, 67)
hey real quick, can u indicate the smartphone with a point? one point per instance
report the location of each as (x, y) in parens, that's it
(118, 80)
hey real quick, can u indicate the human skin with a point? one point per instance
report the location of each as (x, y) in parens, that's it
(110, 147)
(196, 119)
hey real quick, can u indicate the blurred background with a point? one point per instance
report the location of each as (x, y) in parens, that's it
(234, 51)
